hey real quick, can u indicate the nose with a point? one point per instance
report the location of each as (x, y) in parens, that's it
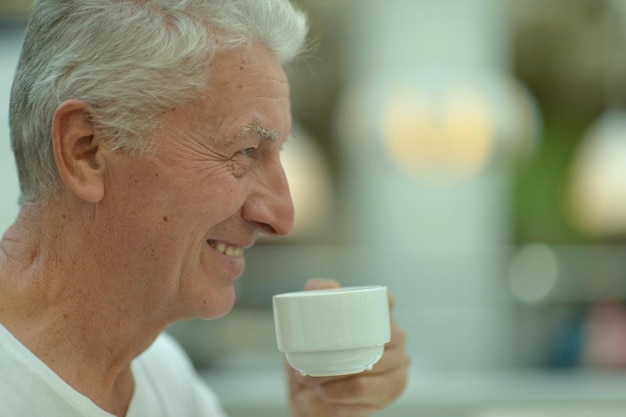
(269, 205)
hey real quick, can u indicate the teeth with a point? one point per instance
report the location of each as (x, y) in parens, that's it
(232, 251)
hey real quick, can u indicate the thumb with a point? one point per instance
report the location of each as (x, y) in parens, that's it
(321, 284)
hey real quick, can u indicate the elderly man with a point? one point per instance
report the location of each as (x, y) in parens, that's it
(147, 136)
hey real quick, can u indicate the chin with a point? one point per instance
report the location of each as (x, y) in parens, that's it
(217, 305)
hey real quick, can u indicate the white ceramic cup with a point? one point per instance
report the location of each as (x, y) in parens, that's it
(332, 332)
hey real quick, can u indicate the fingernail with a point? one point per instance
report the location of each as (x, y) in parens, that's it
(315, 284)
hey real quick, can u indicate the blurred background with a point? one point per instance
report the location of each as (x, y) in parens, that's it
(471, 156)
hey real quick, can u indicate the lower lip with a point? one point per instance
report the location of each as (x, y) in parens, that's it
(235, 266)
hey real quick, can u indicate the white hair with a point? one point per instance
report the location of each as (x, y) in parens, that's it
(130, 60)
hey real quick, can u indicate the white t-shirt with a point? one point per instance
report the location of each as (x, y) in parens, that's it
(166, 385)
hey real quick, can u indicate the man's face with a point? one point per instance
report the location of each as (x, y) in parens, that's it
(186, 213)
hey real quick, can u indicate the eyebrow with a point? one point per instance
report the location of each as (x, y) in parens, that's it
(262, 131)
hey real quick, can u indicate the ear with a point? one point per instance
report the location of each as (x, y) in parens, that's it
(78, 151)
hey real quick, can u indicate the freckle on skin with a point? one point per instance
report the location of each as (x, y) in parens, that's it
(165, 219)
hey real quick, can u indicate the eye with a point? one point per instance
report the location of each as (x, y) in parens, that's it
(248, 151)
(244, 160)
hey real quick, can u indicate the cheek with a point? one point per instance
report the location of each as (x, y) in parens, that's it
(208, 202)
(202, 176)
(183, 195)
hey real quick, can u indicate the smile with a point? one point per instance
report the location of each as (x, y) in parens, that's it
(228, 250)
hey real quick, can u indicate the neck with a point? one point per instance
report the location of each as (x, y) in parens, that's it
(57, 300)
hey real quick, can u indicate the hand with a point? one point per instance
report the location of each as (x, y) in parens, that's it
(356, 395)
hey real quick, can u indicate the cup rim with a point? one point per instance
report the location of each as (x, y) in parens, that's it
(330, 291)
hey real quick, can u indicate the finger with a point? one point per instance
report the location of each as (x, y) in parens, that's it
(317, 406)
(374, 391)
(354, 395)
(395, 354)
(321, 284)
(392, 302)
(397, 336)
